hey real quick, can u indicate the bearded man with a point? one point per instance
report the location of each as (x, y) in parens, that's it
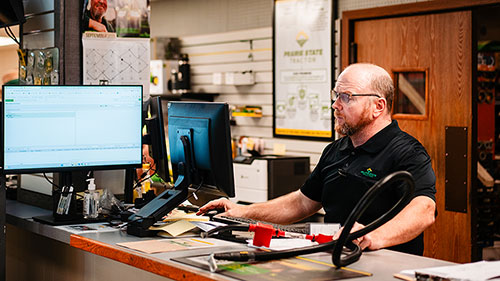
(93, 18)
(373, 146)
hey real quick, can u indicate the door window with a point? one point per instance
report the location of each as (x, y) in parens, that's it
(410, 96)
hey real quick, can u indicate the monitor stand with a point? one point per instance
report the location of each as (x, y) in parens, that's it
(139, 223)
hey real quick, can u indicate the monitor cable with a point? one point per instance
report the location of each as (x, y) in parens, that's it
(340, 256)
(51, 182)
(145, 175)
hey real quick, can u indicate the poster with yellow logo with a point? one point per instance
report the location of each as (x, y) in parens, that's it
(303, 43)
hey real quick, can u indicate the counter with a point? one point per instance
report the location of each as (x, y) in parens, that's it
(102, 258)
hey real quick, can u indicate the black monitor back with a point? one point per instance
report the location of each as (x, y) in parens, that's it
(211, 144)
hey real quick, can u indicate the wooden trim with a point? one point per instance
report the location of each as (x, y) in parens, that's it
(416, 8)
(136, 259)
(402, 116)
(349, 17)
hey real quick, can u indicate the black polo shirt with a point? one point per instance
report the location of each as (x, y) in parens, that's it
(345, 173)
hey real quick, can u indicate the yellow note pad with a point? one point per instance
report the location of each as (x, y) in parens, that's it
(176, 228)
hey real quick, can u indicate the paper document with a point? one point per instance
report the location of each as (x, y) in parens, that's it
(169, 245)
(477, 271)
(324, 228)
(207, 225)
(87, 228)
(176, 215)
(285, 244)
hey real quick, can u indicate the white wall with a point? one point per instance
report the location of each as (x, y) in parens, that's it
(232, 52)
(175, 18)
(8, 57)
(215, 34)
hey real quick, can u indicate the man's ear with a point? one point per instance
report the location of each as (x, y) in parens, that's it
(380, 106)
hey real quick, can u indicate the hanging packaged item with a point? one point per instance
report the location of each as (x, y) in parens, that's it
(39, 66)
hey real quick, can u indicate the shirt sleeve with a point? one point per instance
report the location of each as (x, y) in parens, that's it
(418, 163)
(313, 186)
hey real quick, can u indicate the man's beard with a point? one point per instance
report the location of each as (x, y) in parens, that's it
(352, 129)
(98, 11)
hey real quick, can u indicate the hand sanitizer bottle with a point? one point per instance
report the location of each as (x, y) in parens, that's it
(91, 201)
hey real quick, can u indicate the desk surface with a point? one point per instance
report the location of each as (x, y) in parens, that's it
(382, 264)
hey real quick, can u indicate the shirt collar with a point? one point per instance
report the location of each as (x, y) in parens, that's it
(375, 143)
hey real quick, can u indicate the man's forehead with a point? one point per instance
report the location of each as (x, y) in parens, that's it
(344, 84)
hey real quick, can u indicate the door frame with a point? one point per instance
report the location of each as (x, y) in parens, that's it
(427, 7)
(347, 56)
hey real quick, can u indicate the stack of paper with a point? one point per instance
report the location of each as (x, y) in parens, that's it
(483, 270)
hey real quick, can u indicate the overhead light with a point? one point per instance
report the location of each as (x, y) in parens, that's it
(7, 41)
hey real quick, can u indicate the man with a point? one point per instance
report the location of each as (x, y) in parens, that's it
(372, 148)
(93, 19)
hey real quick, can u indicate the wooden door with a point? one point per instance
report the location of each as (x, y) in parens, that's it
(441, 44)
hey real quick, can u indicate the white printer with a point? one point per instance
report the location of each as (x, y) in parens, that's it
(258, 179)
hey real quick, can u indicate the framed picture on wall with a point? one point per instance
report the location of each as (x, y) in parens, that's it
(302, 69)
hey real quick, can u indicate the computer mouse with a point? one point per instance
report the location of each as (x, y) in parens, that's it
(214, 212)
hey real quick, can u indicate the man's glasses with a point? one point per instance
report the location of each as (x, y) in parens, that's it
(345, 98)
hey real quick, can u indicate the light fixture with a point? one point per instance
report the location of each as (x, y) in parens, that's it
(6, 41)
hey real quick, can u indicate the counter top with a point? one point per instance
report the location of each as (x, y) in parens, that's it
(382, 264)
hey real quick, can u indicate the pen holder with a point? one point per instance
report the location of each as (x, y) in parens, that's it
(65, 205)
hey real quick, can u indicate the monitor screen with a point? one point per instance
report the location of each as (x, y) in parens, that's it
(66, 128)
(207, 126)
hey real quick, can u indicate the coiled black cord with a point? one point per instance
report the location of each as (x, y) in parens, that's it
(345, 238)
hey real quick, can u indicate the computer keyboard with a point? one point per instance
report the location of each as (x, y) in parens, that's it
(302, 228)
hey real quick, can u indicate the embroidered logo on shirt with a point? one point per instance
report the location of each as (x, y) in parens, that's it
(368, 173)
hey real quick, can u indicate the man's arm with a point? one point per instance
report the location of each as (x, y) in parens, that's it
(283, 210)
(97, 26)
(408, 224)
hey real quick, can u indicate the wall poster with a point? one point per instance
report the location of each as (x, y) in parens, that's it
(303, 58)
(116, 44)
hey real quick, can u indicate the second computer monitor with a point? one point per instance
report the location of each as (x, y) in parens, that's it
(70, 128)
(206, 127)
(156, 138)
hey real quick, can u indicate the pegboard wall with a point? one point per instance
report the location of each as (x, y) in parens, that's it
(176, 18)
(347, 5)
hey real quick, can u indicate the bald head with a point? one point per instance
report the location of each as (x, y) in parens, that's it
(366, 77)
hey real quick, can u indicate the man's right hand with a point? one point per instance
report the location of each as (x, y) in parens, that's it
(230, 208)
(97, 26)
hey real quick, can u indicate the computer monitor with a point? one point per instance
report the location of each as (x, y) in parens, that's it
(70, 128)
(206, 124)
(155, 137)
(200, 152)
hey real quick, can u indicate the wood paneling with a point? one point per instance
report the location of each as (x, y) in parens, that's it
(442, 44)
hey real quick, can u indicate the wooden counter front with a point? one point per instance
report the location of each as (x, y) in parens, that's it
(139, 260)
